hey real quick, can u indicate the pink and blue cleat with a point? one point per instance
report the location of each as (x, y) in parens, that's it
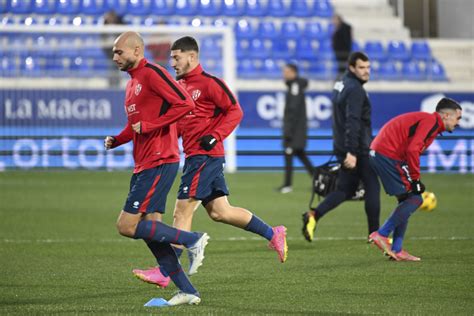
(383, 243)
(152, 276)
(405, 256)
(278, 242)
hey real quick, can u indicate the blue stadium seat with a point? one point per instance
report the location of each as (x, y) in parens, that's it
(305, 49)
(413, 72)
(243, 29)
(290, 29)
(281, 49)
(375, 50)
(355, 46)
(138, 7)
(161, 7)
(208, 8)
(80, 67)
(242, 48)
(219, 23)
(323, 8)
(19, 6)
(257, 49)
(67, 7)
(184, 8)
(301, 9)
(8, 67)
(322, 71)
(92, 7)
(210, 47)
(248, 69)
(118, 6)
(325, 51)
(3, 6)
(420, 50)
(232, 8)
(267, 29)
(277, 8)
(270, 69)
(44, 6)
(397, 50)
(29, 20)
(30, 67)
(435, 71)
(389, 71)
(314, 30)
(255, 8)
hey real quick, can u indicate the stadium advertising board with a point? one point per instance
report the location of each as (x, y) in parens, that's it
(49, 128)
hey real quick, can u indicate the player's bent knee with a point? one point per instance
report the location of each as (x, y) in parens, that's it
(216, 216)
(125, 229)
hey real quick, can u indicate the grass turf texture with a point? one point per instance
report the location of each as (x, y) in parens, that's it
(60, 253)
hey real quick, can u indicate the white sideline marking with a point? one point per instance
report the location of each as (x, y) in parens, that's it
(120, 240)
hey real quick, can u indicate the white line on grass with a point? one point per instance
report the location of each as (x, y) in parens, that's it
(119, 240)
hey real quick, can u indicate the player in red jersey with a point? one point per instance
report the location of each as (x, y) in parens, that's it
(153, 102)
(203, 131)
(395, 156)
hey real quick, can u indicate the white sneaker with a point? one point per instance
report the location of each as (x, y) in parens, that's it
(181, 298)
(196, 253)
(285, 189)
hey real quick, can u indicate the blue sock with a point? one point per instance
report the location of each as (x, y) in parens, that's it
(157, 231)
(257, 226)
(398, 235)
(169, 263)
(179, 251)
(401, 214)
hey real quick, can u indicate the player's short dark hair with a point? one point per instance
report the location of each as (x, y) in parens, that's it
(355, 56)
(292, 67)
(447, 104)
(186, 44)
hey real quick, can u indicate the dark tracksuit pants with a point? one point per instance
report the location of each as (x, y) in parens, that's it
(347, 183)
(301, 154)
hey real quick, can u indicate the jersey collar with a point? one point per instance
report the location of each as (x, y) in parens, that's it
(441, 127)
(141, 64)
(196, 71)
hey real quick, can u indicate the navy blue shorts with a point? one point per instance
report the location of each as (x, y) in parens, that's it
(149, 189)
(394, 174)
(203, 179)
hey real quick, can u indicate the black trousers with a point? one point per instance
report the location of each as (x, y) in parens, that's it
(301, 154)
(347, 183)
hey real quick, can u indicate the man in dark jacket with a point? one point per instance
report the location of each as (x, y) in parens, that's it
(294, 124)
(352, 133)
(341, 41)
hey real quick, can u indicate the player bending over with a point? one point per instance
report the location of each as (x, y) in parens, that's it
(395, 156)
(203, 131)
(153, 102)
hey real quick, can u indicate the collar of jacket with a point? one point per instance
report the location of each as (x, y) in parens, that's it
(140, 65)
(350, 74)
(196, 71)
(441, 127)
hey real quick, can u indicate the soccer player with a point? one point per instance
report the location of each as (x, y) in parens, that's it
(153, 102)
(395, 156)
(203, 131)
(352, 133)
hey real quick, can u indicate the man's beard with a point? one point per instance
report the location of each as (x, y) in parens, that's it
(127, 66)
(184, 72)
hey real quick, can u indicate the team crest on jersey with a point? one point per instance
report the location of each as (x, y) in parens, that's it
(138, 89)
(195, 94)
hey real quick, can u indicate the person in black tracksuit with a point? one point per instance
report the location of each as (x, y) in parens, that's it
(352, 133)
(341, 42)
(294, 124)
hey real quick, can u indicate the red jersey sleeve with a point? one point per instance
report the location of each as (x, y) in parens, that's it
(176, 101)
(232, 113)
(124, 137)
(416, 145)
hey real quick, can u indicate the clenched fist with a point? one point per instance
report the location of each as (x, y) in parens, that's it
(109, 142)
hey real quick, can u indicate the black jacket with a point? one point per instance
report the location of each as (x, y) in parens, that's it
(351, 126)
(294, 119)
(342, 41)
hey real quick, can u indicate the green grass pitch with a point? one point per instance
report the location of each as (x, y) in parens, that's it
(60, 253)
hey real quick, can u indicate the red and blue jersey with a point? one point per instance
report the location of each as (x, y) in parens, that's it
(217, 112)
(406, 136)
(156, 100)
